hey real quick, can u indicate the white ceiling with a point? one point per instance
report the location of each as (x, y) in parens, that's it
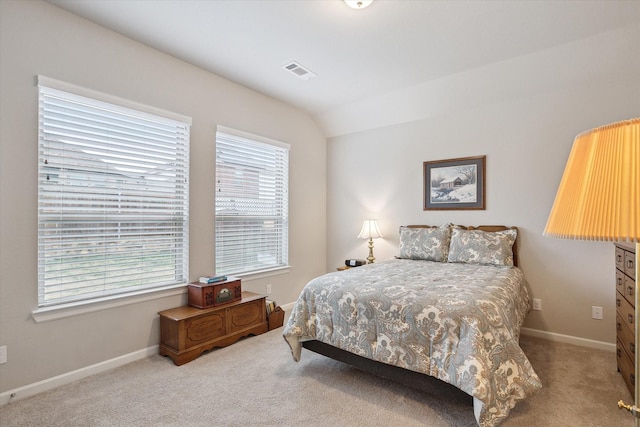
(357, 54)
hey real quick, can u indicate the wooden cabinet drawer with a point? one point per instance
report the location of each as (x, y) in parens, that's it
(625, 311)
(630, 290)
(620, 281)
(625, 366)
(620, 258)
(630, 264)
(626, 337)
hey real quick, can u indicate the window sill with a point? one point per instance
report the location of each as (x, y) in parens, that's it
(47, 314)
(264, 273)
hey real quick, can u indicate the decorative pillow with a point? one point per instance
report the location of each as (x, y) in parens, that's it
(429, 244)
(482, 247)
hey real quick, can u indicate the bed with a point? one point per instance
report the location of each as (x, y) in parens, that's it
(449, 306)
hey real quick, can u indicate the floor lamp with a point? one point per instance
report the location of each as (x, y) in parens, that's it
(599, 199)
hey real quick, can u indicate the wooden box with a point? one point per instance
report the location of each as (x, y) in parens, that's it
(206, 295)
(186, 332)
(276, 318)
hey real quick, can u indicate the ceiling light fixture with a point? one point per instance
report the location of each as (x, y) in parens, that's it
(358, 4)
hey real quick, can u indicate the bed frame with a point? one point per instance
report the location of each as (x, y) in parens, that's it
(403, 376)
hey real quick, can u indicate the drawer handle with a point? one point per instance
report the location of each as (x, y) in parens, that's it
(619, 281)
(630, 263)
(618, 325)
(632, 347)
(618, 258)
(630, 318)
(618, 302)
(619, 352)
(630, 290)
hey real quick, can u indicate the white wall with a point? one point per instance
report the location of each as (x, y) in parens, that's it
(526, 135)
(38, 38)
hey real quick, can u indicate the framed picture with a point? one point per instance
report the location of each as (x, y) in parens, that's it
(455, 184)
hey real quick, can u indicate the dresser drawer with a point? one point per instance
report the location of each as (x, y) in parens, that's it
(620, 258)
(630, 290)
(625, 366)
(625, 311)
(626, 337)
(620, 281)
(630, 264)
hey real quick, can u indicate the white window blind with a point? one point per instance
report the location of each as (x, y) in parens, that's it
(113, 199)
(252, 203)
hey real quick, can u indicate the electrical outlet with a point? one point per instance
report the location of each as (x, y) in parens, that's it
(3, 354)
(596, 312)
(537, 304)
(269, 289)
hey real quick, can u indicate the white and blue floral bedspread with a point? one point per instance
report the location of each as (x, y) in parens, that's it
(456, 322)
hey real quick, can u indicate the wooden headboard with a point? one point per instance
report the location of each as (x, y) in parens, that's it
(484, 228)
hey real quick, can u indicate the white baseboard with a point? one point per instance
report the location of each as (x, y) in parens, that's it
(288, 307)
(57, 381)
(569, 339)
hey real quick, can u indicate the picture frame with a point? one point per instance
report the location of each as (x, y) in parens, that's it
(455, 184)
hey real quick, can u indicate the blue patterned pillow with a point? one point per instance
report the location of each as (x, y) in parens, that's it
(482, 247)
(429, 244)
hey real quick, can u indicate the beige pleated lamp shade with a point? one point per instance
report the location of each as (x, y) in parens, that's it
(599, 195)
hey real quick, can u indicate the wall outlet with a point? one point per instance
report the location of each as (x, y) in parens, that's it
(596, 312)
(537, 304)
(3, 354)
(269, 289)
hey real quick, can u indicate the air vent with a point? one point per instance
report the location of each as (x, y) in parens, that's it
(300, 71)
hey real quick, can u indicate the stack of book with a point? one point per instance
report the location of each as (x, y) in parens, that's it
(212, 279)
(271, 306)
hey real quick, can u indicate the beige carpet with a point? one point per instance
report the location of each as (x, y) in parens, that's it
(256, 383)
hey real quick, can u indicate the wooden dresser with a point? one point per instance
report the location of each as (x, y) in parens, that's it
(186, 332)
(625, 312)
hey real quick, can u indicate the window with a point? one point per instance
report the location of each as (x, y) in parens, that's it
(252, 204)
(113, 197)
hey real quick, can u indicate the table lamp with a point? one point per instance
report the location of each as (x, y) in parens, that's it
(370, 231)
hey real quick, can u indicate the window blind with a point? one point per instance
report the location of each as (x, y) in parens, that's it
(113, 197)
(252, 204)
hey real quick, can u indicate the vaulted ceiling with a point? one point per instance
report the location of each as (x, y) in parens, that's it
(357, 55)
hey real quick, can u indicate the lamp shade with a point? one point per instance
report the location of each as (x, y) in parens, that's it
(599, 194)
(370, 230)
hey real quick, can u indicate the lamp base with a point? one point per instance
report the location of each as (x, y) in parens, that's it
(371, 258)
